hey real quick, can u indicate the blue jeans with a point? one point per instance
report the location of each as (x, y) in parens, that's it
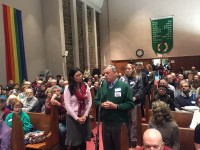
(62, 131)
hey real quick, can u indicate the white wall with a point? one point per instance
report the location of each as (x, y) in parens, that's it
(42, 36)
(33, 36)
(130, 28)
(104, 35)
(53, 31)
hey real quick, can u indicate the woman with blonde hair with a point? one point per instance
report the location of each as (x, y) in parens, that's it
(151, 77)
(163, 121)
(136, 86)
(10, 101)
(17, 108)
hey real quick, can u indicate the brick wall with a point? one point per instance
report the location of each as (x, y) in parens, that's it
(68, 36)
(98, 41)
(90, 38)
(68, 33)
(80, 35)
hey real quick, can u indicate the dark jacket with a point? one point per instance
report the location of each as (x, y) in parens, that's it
(165, 98)
(136, 86)
(182, 100)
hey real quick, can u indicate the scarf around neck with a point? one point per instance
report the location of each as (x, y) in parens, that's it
(81, 96)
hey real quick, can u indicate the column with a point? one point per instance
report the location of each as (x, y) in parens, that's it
(95, 35)
(75, 33)
(85, 34)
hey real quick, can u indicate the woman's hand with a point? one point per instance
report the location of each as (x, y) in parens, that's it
(82, 119)
(61, 117)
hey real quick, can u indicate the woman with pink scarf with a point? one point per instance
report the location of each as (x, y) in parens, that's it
(78, 101)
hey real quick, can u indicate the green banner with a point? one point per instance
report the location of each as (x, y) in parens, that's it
(162, 34)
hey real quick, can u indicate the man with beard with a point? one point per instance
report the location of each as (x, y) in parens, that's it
(186, 98)
(30, 103)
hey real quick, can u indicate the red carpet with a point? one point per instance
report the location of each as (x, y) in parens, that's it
(91, 144)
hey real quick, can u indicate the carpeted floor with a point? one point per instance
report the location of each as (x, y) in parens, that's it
(91, 144)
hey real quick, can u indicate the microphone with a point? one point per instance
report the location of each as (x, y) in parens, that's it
(102, 82)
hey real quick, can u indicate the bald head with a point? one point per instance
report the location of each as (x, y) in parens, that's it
(152, 139)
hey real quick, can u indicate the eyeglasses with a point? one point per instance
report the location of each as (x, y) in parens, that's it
(78, 75)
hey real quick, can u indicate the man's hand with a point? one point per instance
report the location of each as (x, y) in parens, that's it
(109, 105)
(134, 98)
(54, 96)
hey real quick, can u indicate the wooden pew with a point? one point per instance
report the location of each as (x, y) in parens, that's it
(40, 121)
(93, 111)
(186, 137)
(147, 108)
(124, 137)
(17, 133)
(139, 127)
(183, 119)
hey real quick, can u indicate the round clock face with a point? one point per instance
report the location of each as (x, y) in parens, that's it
(139, 52)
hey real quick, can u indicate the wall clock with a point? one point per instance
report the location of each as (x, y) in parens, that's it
(139, 52)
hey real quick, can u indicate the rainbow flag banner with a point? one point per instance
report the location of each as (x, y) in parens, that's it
(14, 45)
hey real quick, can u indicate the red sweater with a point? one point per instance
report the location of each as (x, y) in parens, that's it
(5, 111)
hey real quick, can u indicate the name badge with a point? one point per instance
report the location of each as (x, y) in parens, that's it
(118, 90)
(117, 94)
(193, 102)
(132, 83)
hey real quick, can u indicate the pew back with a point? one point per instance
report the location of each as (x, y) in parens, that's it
(17, 133)
(139, 127)
(183, 119)
(40, 121)
(37, 120)
(48, 123)
(124, 137)
(93, 110)
(186, 137)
